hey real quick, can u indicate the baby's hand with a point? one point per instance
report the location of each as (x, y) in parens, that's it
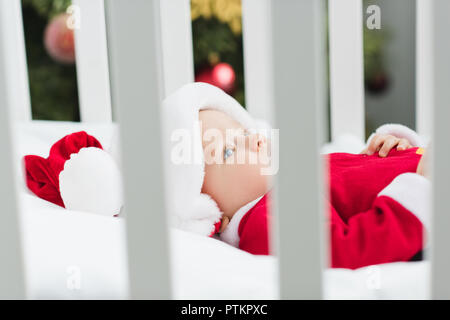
(224, 224)
(383, 143)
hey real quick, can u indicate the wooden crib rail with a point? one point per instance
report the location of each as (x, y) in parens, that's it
(88, 21)
(17, 83)
(440, 93)
(137, 91)
(298, 62)
(177, 51)
(257, 42)
(142, 73)
(423, 68)
(12, 278)
(346, 68)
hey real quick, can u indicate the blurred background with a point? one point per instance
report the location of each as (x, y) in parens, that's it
(390, 65)
(389, 56)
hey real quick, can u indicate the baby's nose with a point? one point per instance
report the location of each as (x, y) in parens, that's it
(256, 141)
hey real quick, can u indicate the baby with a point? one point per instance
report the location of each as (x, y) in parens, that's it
(216, 158)
(373, 217)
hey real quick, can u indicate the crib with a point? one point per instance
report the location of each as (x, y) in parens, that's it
(122, 77)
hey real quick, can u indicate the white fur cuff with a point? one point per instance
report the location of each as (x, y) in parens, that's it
(413, 192)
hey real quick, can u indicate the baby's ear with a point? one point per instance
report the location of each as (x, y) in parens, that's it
(41, 180)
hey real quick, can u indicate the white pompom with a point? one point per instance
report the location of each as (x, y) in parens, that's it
(91, 182)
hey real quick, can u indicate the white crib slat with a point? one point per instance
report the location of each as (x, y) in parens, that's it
(256, 29)
(298, 58)
(18, 80)
(176, 35)
(12, 283)
(92, 60)
(346, 68)
(136, 82)
(440, 46)
(424, 101)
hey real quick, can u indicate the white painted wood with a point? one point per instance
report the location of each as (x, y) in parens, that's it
(18, 80)
(346, 68)
(137, 90)
(424, 87)
(256, 29)
(424, 102)
(298, 64)
(91, 60)
(12, 278)
(176, 34)
(440, 235)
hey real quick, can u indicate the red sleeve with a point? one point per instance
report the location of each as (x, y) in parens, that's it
(387, 232)
(390, 230)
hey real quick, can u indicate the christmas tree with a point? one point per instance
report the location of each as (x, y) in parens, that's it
(217, 45)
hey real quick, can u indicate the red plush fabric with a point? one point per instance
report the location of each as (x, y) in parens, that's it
(365, 228)
(42, 175)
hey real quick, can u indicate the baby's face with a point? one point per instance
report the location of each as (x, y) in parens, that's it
(233, 162)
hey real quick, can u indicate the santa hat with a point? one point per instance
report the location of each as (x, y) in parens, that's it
(77, 175)
(188, 208)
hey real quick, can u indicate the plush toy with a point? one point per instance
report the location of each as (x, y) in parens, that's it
(77, 175)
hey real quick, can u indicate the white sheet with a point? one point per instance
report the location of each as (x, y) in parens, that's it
(76, 255)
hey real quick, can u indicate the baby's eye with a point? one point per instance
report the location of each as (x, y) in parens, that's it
(228, 153)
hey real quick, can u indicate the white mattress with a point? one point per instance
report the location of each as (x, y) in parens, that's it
(76, 255)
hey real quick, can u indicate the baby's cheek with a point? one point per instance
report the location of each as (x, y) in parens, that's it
(211, 180)
(253, 181)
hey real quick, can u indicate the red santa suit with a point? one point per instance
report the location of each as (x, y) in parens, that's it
(377, 209)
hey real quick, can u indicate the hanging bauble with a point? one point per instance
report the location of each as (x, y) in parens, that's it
(378, 83)
(59, 40)
(222, 75)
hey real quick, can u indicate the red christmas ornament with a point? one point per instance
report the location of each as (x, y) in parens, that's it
(59, 40)
(221, 75)
(379, 83)
(204, 75)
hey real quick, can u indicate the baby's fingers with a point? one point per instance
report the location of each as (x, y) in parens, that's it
(389, 144)
(403, 144)
(375, 144)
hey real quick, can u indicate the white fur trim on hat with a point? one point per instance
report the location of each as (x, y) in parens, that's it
(400, 131)
(184, 179)
(91, 182)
